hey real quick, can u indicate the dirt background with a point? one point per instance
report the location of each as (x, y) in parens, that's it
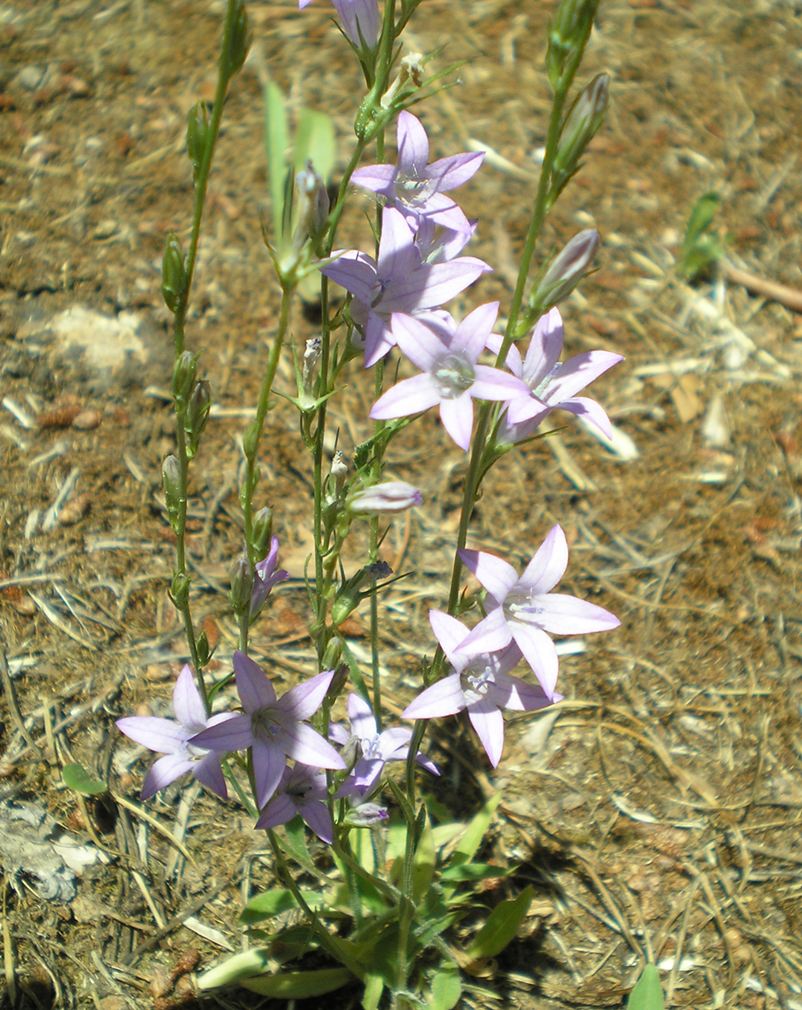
(657, 810)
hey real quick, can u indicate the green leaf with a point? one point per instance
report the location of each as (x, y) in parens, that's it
(77, 778)
(501, 927)
(647, 994)
(299, 984)
(235, 968)
(475, 832)
(276, 144)
(474, 871)
(273, 902)
(374, 987)
(314, 141)
(700, 249)
(446, 988)
(424, 862)
(702, 214)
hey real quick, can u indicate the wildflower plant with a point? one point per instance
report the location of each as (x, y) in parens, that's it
(380, 876)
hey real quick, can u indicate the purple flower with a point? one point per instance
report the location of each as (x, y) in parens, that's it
(391, 496)
(171, 737)
(553, 385)
(451, 377)
(416, 187)
(523, 610)
(399, 282)
(272, 727)
(480, 684)
(265, 576)
(302, 790)
(375, 748)
(359, 19)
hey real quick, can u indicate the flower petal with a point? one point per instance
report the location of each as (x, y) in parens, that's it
(578, 372)
(278, 811)
(394, 743)
(548, 565)
(307, 746)
(455, 170)
(490, 635)
(539, 652)
(187, 702)
(363, 722)
(303, 700)
(269, 763)
(379, 339)
(164, 771)
(231, 734)
(472, 333)
(377, 178)
(493, 384)
(450, 633)
(457, 418)
(567, 615)
(410, 396)
(544, 349)
(443, 698)
(413, 144)
(488, 722)
(496, 575)
(419, 342)
(318, 818)
(356, 272)
(590, 411)
(165, 736)
(209, 773)
(253, 687)
(517, 695)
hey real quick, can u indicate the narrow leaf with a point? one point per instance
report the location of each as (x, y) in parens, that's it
(77, 778)
(501, 927)
(272, 902)
(314, 141)
(647, 994)
(299, 984)
(476, 831)
(374, 987)
(235, 968)
(446, 988)
(276, 144)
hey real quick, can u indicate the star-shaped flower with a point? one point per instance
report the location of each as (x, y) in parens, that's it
(171, 737)
(375, 749)
(302, 790)
(399, 282)
(553, 385)
(523, 609)
(480, 683)
(274, 728)
(265, 576)
(451, 378)
(416, 187)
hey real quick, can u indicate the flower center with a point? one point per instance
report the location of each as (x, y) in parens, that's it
(477, 678)
(524, 605)
(412, 190)
(265, 724)
(453, 375)
(542, 388)
(371, 747)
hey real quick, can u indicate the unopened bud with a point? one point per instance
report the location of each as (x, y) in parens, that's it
(186, 365)
(569, 30)
(340, 678)
(241, 586)
(238, 41)
(366, 815)
(313, 204)
(391, 496)
(199, 134)
(312, 352)
(339, 468)
(179, 589)
(174, 274)
(173, 496)
(262, 531)
(200, 402)
(566, 270)
(331, 656)
(202, 649)
(581, 125)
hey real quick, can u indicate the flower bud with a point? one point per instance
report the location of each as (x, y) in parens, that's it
(241, 586)
(312, 206)
(581, 125)
(200, 402)
(365, 815)
(262, 531)
(179, 589)
(250, 440)
(350, 593)
(566, 270)
(391, 496)
(184, 369)
(265, 576)
(238, 41)
(360, 21)
(340, 678)
(173, 496)
(331, 656)
(174, 274)
(202, 649)
(569, 30)
(199, 135)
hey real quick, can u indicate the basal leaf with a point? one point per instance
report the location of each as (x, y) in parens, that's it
(235, 968)
(446, 988)
(299, 984)
(273, 902)
(501, 927)
(647, 994)
(475, 832)
(77, 778)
